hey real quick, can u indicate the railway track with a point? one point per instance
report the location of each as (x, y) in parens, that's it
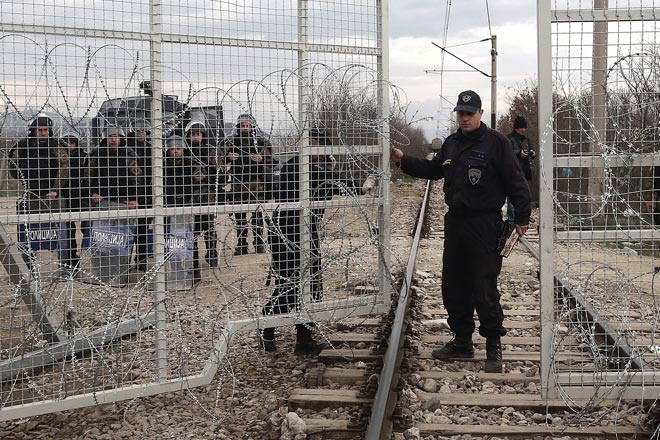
(384, 377)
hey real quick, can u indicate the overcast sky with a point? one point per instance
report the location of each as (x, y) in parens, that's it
(414, 24)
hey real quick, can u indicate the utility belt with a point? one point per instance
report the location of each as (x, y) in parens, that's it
(469, 212)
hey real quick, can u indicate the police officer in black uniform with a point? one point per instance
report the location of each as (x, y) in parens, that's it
(184, 183)
(77, 192)
(138, 141)
(114, 171)
(42, 166)
(479, 171)
(248, 155)
(202, 152)
(285, 241)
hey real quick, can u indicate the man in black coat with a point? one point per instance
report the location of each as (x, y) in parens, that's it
(522, 148)
(479, 171)
(284, 237)
(41, 164)
(248, 155)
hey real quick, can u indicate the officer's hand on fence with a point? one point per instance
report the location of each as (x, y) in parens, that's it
(232, 156)
(97, 198)
(523, 154)
(521, 229)
(132, 204)
(51, 195)
(396, 155)
(649, 206)
(368, 185)
(258, 158)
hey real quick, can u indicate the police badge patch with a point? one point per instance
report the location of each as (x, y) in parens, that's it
(474, 175)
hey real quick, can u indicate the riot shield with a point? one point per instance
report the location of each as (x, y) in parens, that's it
(179, 245)
(110, 245)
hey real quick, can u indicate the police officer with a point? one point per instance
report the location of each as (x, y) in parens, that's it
(285, 240)
(41, 164)
(184, 181)
(479, 171)
(77, 192)
(206, 154)
(114, 171)
(522, 148)
(248, 154)
(138, 141)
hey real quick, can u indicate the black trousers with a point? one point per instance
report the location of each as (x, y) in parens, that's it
(470, 267)
(142, 239)
(284, 240)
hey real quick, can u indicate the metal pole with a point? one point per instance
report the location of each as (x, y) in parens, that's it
(383, 8)
(156, 73)
(546, 238)
(493, 82)
(599, 111)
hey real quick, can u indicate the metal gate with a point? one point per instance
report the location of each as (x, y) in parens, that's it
(93, 309)
(599, 82)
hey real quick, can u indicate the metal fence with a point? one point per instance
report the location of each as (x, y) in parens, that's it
(176, 174)
(599, 85)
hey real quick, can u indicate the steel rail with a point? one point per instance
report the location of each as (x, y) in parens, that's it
(380, 423)
(615, 345)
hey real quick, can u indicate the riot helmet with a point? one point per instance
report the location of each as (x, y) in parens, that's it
(40, 121)
(174, 146)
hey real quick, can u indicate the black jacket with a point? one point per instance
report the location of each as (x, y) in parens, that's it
(243, 169)
(479, 171)
(116, 174)
(77, 192)
(143, 151)
(522, 143)
(323, 184)
(41, 167)
(184, 180)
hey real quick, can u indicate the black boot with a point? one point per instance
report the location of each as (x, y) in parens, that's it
(305, 343)
(211, 252)
(267, 340)
(459, 347)
(259, 245)
(493, 355)
(241, 247)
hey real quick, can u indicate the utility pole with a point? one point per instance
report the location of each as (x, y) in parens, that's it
(493, 82)
(492, 76)
(598, 109)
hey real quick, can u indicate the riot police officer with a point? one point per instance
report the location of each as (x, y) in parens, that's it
(41, 164)
(479, 171)
(114, 171)
(184, 184)
(205, 154)
(248, 154)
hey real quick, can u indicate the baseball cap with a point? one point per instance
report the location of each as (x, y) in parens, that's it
(468, 101)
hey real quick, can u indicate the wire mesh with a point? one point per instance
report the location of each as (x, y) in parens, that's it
(603, 183)
(177, 172)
